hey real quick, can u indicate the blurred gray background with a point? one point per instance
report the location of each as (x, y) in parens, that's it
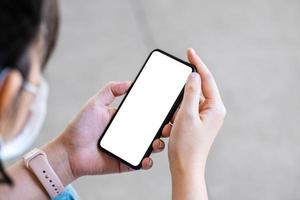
(253, 49)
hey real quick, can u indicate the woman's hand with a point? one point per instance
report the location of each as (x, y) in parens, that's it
(194, 129)
(82, 134)
(198, 120)
(74, 153)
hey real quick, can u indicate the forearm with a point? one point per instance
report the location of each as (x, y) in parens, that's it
(26, 185)
(188, 185)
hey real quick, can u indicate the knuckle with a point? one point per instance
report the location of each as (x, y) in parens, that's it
(220, 112)
(191, 88)
(207, 74)
(107, 88)
(110, 83)
(189, 117)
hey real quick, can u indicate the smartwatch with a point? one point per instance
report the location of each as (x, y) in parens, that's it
(36, 161)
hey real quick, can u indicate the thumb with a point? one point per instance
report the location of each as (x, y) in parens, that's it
(112, 90)
(192, 91)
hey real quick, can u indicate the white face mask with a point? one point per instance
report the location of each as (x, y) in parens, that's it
(29, 133)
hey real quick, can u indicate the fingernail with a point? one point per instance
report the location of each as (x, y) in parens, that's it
(194, 76)
(161, 144)
(128, 82)
(150, 163)
(193, 51)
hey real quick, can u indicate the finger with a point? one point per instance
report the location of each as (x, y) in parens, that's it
(125, 168)
(112, 110)
(191, 97)
(166, 130)
(201, 103)
(209, 86)
(112, 90)
(158, 145)
(147, 163)
(174, 116)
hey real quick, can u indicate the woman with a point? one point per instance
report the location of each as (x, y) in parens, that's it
(27, 38)
(31, 29)
(191, 135)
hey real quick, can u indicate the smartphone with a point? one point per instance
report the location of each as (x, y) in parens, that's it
(148, 105)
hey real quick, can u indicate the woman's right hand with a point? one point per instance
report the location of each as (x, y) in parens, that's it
(197, 121)
(194, 129)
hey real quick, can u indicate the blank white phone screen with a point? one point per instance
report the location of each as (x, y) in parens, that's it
(145, 108)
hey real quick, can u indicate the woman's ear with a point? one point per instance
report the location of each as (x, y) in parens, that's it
(9, 88)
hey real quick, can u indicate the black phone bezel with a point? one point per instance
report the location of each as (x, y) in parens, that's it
(167, 119)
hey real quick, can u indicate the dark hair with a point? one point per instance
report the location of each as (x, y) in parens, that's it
(4, 178)
(20, 22)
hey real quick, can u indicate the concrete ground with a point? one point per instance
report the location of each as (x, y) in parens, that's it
(253, 49)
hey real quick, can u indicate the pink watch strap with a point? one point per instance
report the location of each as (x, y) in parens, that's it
(36, 160)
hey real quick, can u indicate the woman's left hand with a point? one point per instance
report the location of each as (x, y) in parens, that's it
(80, 138)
